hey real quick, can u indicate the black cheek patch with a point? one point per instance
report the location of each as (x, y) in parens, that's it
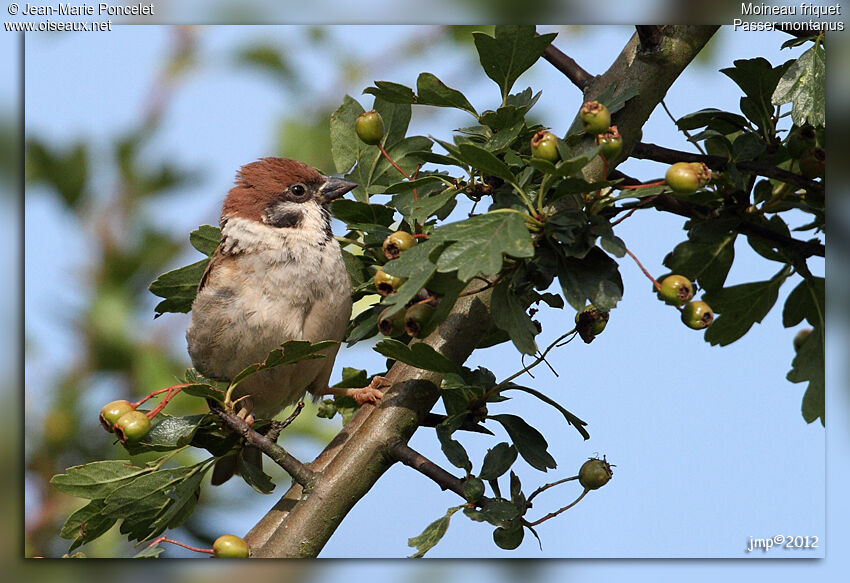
(283, 217)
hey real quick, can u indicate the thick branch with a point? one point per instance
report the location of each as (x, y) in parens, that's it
(657, 153)
(650, 37)
(410, 457)
(294, 468)
(567, 66)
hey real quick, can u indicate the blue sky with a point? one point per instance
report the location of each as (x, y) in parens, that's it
(709, 443)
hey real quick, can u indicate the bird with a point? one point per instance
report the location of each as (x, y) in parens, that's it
(277, 275)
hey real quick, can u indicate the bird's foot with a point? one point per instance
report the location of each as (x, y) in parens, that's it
(371, 393)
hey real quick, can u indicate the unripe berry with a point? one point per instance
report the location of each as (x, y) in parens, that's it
(703, 173)
(392, 325)
(387, 284)
(473, 489)
(590, 322)
(813, 163)
(111, 412)
(611, 143)
(229, 546)
(676, 290)
(510, 537)
(416, 318)
(595, 473)
(396, 243)
(682, 178)
(544, 145)
(132, 426)
(595, 117)
(370, 127)
(697, 315)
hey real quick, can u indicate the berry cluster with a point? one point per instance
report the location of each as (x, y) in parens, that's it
(678, 291)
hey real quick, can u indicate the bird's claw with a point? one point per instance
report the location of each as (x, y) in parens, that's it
(372, 392)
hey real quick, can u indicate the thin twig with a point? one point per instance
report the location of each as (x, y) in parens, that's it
(573, 71)
(645, 202)
(545, 487)
(299, 472)
(557, 512)
(684, 131)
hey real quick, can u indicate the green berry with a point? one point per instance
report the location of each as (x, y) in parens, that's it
(800, 140)
(396, 243)
(590, 322)
(387, 284)
(610, 143)
(473, 489)
(595, 117)
(510, 537)
(702, 171)
(801, 337)
(416, 318)
(391, 325)
(595, 473)
(813, 163)
(682, 178)
(370, 127)
(111, 412)
(229, 546)
(676, 290)
(132, 426)
(697, 315)
(544, 145)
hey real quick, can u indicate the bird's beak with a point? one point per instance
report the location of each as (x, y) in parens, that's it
(333, 188)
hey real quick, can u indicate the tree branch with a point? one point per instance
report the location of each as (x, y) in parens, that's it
(293, 467)
(567, 66)
(405, 454)
(650, 37)
(657, 153)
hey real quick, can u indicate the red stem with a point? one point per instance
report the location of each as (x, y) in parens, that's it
(164, 539)
(647, 185)
(399, 168)
(172, 392)
(645, 272)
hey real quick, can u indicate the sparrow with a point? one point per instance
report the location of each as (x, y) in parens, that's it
(277, 275)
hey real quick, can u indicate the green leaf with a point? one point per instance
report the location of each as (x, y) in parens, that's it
(807, 300)
(426, 206)
(97, 479)
(804, 85)
(66, 171)
(571, 419)
(168, 433)
(454, 451)
(704, 117)
(182, 501)
(509, 53)
(346, 147)
(498, 460)
(808, 366)
(356, 212)
(707, 262)
(87, 524)
(416, 266)
(178, 287)
(485, 162)
(253, 473)
(498, 512)
(758, 79)
(432, 91)
(530, 444)
(432, 534)
(289, 353)
(205, 239)
(150, 552)
(595, 279)
(510, 315)
(417, 354)
(748, 146)
(268, 57)
(740, 307)
(479, 243)
(392, 92)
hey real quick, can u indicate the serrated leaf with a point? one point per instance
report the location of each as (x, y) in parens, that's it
(707, 262)
(455, 452)
(346, 147)
(150, 552)
(253, 473)
(178, 287)
(432, 534)
(97, 479)
(416, 266)
(497, 511)
(571, 419)
(594, 279)
(510, 315)
(807, 300)
(480, 242)
(289, 353)
(182, 501)
(426, 206)
(432, 91)
(392, 92)
(484, 161)
(804, 85)
(205, 239)
(808, 366)
(417, 354)
(758, 79)
(739, 307)
(168, 433)
(497, 461)
(87, 524)
(530, 444)
(509, 53)
(356, 212)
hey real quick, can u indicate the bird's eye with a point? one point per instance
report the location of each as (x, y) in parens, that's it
(297, 190)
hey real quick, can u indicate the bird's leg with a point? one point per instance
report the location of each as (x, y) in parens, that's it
(368, 394)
